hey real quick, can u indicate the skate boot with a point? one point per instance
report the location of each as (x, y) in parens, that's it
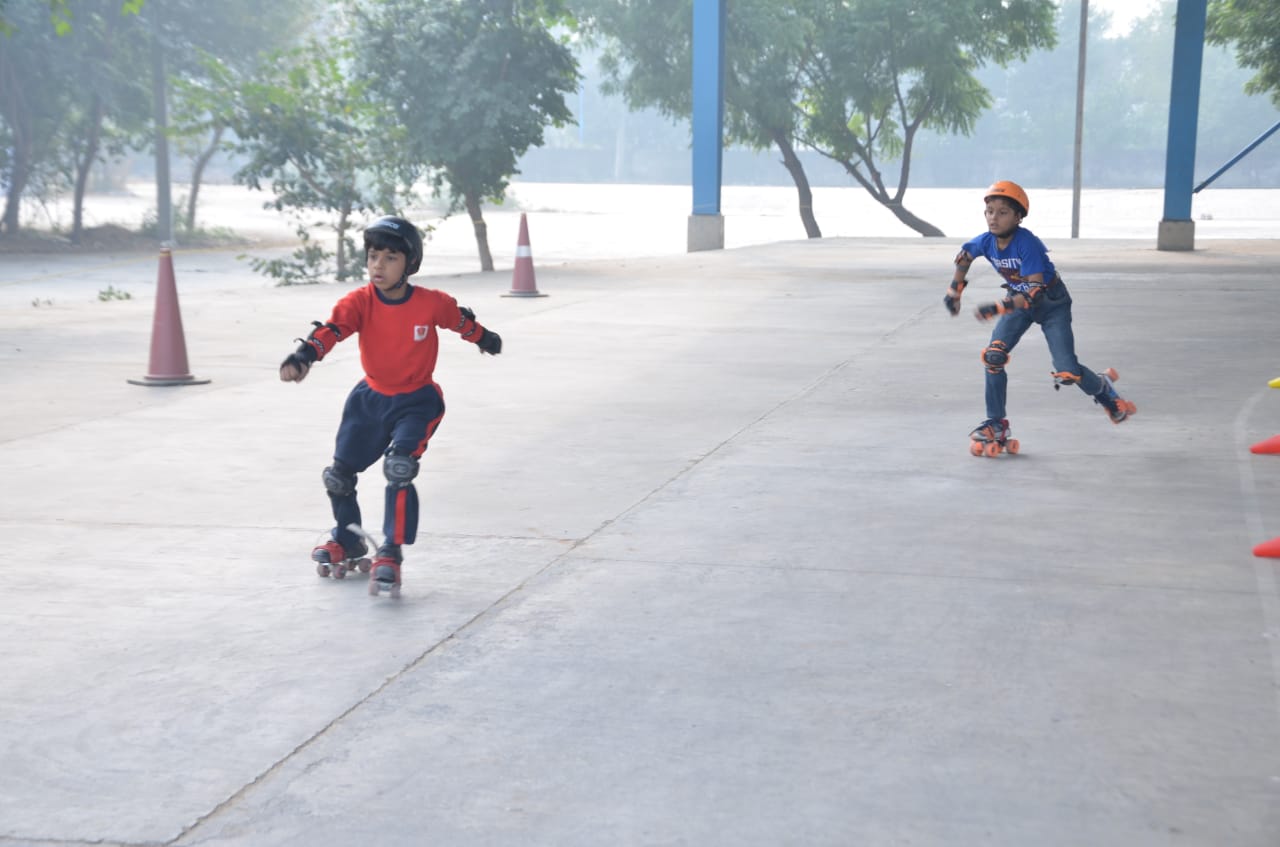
(385, 573)
(1118, 408)
(333, 560)
(991, 437)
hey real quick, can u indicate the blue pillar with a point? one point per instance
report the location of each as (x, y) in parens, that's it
(1177, 230)
(706, 224)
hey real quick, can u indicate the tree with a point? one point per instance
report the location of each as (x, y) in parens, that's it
(35, 98)
(322, 143)
(236, 35)
(474, 82)
(1253, 26)
(648, 59)
(880, 71)
(112, 108)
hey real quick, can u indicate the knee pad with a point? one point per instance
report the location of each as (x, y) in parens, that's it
(996, 357)
(400, 469)
(339, 480)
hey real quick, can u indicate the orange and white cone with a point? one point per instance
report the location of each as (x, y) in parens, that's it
(168, 364)
(523, 283)
(1269, 445)
(1268, 549)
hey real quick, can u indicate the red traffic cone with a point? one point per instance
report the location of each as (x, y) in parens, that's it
(1270, 445)
(522, 281)
(1268, 549)
(168, 346)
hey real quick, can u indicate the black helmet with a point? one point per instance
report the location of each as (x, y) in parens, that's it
(390, 231)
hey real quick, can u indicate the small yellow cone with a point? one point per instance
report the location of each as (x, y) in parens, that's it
(1275, 383)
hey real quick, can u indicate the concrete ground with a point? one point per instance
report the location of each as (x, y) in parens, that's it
(705, 561)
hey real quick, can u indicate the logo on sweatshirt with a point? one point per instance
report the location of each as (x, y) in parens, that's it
(420, 333)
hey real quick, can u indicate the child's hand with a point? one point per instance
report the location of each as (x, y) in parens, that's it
(490, 342)
(294, 368)
(989, 311)
(952, 302)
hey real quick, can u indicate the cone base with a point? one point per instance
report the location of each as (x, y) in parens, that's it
(160, 381)
(514, 293)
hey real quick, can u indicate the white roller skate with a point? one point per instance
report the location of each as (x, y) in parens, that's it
(333, 560)
(991, 437)
(1118, 408)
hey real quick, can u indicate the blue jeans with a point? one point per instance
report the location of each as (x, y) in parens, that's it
(1053, 312)
(373, 425)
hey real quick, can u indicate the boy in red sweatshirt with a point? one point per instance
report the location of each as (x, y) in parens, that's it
(394, 410)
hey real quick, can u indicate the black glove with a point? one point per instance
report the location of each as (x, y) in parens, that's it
(952, 298)
(952, 302)
(467, 313)
(490, 342)
(988, 311)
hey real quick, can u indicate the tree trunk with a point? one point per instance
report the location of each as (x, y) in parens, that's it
(481, 228)
(198, 174)
(792, 163)
(893, 204)
(84, 164)
(923, 227)
(19, 173)
(164, 201)
(344, 217)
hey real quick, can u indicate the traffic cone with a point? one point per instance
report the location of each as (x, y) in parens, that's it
(1275, 383)
(168, 346)
(1268, 549)
(522, 281)
(1270, 445)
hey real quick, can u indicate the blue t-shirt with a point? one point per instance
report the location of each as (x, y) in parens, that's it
(1025, 255)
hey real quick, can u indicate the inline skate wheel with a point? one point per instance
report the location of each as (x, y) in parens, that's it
(975, 448)
(339, 571)
(373, 588)
(992, 449)
(1013, 445)
(323, 569)
(363, 565)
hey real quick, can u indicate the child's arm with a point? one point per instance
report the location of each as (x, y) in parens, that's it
(1013, 302)
(958, 283)
(469, 328)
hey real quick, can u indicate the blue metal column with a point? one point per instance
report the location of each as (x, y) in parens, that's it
(706, 224)
(1177, 230)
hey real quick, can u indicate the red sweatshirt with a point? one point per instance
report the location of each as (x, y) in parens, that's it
(398, 340)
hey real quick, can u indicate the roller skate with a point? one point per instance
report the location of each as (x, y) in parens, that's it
(1118, 408)
(385, 573)
(991, 437)
(333, 560)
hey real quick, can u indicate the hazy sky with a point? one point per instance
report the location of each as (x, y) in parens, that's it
(1124, 12)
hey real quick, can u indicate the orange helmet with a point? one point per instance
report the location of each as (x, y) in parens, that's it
(1011, 191)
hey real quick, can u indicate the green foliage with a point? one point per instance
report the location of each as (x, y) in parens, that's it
(474, 84)
(1253, 27)
(113, 293)
(312, 133)
(883, 70)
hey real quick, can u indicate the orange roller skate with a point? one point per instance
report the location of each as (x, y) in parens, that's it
(991, 437)
(1118, 408)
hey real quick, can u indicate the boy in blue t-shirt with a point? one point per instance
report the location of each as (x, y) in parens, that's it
(1036, 295)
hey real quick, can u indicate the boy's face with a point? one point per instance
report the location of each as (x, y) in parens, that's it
(1002, 217)
(385, 266)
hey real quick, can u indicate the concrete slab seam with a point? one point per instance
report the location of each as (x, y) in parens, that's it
(387, 683)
